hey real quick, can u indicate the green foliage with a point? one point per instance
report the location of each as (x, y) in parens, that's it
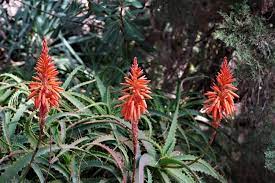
(251, 39)
(33, 20)
(113, 30)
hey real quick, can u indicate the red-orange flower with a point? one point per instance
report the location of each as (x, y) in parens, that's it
(134, 93)
(220, 102)
(45, 85)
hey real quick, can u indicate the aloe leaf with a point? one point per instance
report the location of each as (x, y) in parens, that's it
(6, 117)
(81, 84)
(201, 166)
(149, 176)
(71, 50)
(19, 113)
(11, 172)
(54, 117)
(15, 78)
(75, 174)
(101, 87)
(6, 94)
(38, 172)
(165, 177)
(179, 176)
(115, 155)
(171, 138)
(59, 167)
(86, 165)
(70, 77)
(145, 160)
(78, 104)
(92, 102)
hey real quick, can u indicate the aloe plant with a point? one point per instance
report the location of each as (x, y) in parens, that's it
(87, 140)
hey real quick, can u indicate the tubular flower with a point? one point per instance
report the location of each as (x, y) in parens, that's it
(220, 102)
(45, 85)
(134, 93)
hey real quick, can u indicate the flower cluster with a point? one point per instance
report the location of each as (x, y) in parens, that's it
(220, 102)
(134, 93)
(45, 87)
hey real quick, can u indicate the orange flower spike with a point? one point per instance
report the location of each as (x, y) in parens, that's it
(134, 94)
(45, 87)
(220, 102)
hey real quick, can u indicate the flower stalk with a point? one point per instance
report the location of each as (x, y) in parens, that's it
(220, 102)
(134, 94)
(45, 90)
